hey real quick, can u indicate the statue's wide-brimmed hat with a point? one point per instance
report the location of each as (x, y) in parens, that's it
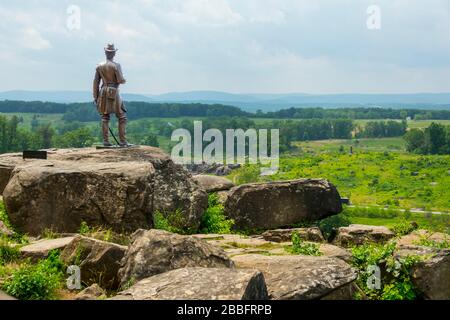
(110, 48)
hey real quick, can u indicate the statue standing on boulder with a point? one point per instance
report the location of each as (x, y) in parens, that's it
(107, 97)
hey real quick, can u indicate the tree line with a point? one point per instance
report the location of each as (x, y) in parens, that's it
(86, 112)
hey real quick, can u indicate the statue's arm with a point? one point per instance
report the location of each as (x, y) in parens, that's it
(96, 85)
(119, 75)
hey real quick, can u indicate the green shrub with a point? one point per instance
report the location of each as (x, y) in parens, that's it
(8, 253)
(330, 225)
(214, 219)
(403, 228)
(395, 283)
(36, 282)
(247, 174)
(303, 248)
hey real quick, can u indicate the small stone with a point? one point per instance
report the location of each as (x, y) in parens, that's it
(94, 292)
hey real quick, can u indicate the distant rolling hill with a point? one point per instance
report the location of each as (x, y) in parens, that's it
(253, 102)
(62, 96)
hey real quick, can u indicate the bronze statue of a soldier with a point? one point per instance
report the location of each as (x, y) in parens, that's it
(107, 97)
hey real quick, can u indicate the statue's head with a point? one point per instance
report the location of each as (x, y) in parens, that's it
(110, 51)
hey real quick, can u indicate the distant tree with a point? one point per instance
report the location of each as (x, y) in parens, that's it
(415, 140)
(435, 138)
(46, 133)
(151, 140)
(78, 138)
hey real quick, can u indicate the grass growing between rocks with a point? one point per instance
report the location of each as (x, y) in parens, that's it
(303, 248)
(8, 252)
(104, 234)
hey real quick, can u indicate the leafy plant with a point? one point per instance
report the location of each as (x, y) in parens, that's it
(303, 248)
(214, 219)
(403, 228)
(4, 216)
(36, 282)
(395, 282)
(84, 228)
(426, 242)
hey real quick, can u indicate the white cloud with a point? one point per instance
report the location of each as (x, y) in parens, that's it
(252, 45)
(206, 13)
(31, 38)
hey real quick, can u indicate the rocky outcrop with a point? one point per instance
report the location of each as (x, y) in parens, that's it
(99, 261)
(40, 249)
(299, 277)
(280, 204)
(154, 251)
(213, 183)
(119, 189)
(431, 275)
(357, 234)
(94, 292)
(199, 284)
(285, 235)
(419, 236)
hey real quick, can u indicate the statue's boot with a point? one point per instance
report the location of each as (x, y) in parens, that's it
(105, 130)
(122, 130)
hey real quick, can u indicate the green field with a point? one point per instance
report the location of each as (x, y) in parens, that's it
(379, 145)
(368, 177)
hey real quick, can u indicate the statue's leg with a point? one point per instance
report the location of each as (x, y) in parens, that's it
(105, 129)
(122, 117)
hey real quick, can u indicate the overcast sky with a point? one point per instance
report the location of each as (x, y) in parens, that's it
(241, 46)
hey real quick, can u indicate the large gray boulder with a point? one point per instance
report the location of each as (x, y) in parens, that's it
(280, 204)
(119, 189)
(199, 284)
(99, 261)
(155, 251)
(357, 234)
(301, 277)
(431, 275)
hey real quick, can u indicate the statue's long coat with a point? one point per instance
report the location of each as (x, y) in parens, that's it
(109, 73)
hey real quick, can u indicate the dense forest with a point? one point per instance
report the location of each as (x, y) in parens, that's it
(85, 112)
(148, 124)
